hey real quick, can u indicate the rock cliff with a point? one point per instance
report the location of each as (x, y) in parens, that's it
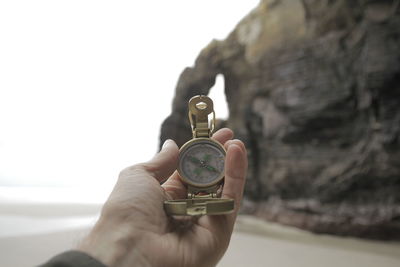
(313, 89)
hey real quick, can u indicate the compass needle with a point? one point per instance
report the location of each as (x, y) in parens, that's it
(207, 157)
(211, 168)
(194, 160)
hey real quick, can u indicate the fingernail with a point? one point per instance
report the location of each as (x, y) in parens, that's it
(236, 142)
(166, 143)
(231, 142)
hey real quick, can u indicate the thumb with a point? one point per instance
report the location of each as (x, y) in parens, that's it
(165, 162)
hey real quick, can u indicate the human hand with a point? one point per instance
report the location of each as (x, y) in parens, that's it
(134, 230)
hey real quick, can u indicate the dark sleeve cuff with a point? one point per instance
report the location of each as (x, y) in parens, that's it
(73, 258)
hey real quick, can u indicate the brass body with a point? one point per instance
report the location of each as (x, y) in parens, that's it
(202, 199)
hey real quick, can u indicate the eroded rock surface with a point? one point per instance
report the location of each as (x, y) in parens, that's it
(313, 89)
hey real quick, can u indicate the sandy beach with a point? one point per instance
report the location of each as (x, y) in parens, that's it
(258, 243)
(33, 229)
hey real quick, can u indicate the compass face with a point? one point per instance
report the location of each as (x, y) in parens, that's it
(201, 162)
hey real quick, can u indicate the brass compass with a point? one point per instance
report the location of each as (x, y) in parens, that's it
(201, 166)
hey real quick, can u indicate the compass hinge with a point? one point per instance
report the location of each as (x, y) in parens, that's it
(209, 192)
(197, 133)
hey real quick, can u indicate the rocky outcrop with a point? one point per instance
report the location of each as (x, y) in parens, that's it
(313, 89)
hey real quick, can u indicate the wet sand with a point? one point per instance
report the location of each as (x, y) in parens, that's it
(258, 243)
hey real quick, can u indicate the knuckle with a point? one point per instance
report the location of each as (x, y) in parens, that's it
(234, 175)
(147, 167)
(139, 168)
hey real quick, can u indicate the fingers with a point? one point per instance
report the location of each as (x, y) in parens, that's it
(236, 142)
(174, 187)
(223, 135)
(235, 171)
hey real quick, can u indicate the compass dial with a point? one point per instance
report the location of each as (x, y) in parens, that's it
(201, 162)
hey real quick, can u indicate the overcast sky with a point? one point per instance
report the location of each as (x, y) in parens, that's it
(85, 85)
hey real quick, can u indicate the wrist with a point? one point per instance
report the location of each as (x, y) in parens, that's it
(114, 243)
